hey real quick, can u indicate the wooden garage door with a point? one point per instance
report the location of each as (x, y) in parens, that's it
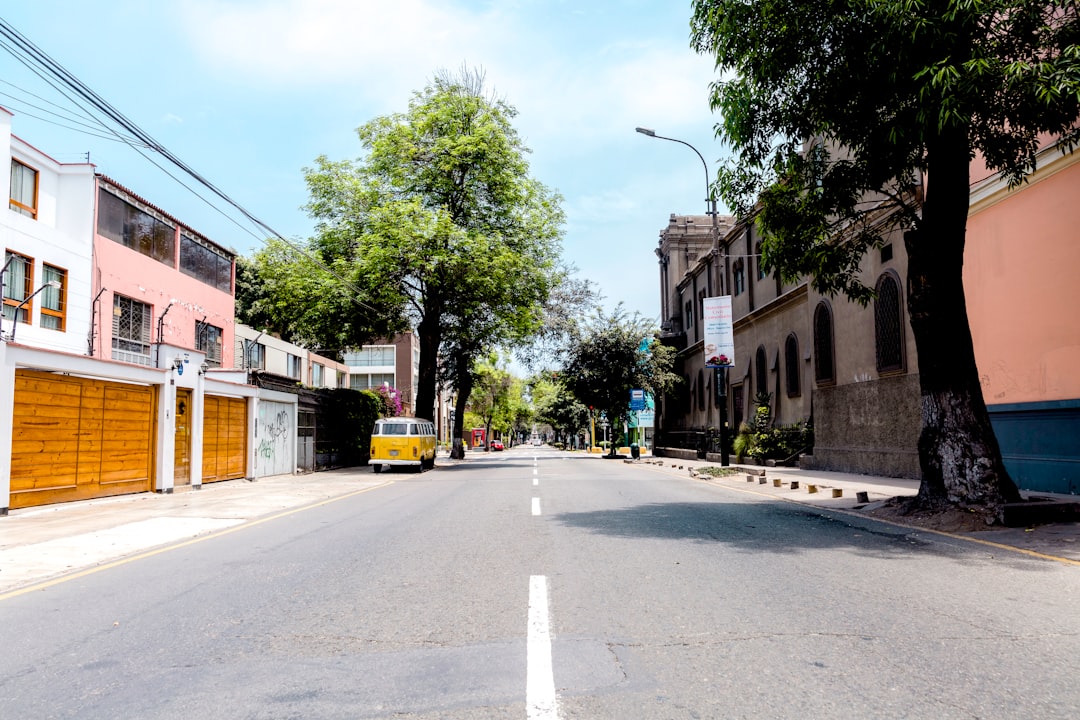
(76, 438)
(224, 438)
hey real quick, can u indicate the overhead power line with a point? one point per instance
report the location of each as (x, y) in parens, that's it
(95, 108)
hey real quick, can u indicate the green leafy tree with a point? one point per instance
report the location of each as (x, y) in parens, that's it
(490, 399)
(560, 408)
(605, 361)
(442, 217)
(837, 109)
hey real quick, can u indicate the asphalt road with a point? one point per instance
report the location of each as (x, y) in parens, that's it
(533, 584)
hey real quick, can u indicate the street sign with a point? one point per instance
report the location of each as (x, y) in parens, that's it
(637, 400)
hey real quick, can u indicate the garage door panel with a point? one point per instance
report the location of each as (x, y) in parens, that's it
(77, 438)
(224, 438)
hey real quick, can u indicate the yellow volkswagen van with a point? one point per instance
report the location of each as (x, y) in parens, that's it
(403, 441)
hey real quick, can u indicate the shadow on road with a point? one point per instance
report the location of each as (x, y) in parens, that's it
(783, 528)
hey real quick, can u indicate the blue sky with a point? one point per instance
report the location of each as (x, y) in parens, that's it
(249, 92)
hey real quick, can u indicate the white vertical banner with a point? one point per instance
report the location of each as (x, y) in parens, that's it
(719, 334)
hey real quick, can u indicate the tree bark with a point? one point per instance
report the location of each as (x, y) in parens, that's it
(958, 451)
(464, 389)
(429, 332)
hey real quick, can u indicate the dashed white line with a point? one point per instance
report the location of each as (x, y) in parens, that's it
(536, 481)
(536, 506)
(540, 700)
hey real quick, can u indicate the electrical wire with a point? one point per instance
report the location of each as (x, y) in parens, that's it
(38, 61)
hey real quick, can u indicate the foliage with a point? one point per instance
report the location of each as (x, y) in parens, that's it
(605, 361)
(836, 110)
(556, 406)
(346, 420)
(491, 398)
(761, 440)
(390, 401)
(443, 222)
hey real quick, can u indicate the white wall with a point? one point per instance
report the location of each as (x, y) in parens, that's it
(61, 235)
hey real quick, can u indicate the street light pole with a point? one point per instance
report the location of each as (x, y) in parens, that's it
(719, 375)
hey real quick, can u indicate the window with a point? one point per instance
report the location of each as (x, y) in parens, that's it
(736, 405)
(824, 366)
(366, 381)
(256, 355)
(316, 374)
(135, 228)
(53, 298)
(791, 365)
(131, 330)
(293, 366)
(758, 260)
(688, 309)
(208, 340)
(205, 263)
(701, 304)
(738, 277)
(888, 325)
(18, 284)
(24, 189)
(761, 378)
(369, 356)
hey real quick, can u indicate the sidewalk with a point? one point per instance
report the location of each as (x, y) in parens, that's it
(43, 543)
(1058, 541)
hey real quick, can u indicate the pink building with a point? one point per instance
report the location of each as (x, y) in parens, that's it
(155, 280)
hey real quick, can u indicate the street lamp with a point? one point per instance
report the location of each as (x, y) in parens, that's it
(28, 298)
(720, 374)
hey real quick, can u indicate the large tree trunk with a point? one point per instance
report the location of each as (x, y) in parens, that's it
(958, 451)
(430, 335)
(464, 389)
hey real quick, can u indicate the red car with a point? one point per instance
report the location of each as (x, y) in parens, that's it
(497, 445)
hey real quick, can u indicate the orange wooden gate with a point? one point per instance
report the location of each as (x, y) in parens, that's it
(224, 438)
(76, 438)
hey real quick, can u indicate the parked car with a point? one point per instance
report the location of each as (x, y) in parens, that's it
(497, 445)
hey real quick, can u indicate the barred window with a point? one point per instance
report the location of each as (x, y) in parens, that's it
(824, 364)
(791, 365)
(888, 325)
(208, 340)
(131, 330)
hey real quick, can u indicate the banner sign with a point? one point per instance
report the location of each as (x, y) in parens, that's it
(719, 335)
(637, 399)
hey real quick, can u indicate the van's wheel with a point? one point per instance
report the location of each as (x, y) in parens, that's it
(376, 467)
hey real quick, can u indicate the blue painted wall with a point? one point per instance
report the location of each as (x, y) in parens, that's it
(1040, 444)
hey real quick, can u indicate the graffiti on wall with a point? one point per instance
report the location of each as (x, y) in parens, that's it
(276, 438)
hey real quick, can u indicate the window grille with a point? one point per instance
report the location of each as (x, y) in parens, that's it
(131, 331)
(824, 365)
(208, 340)
(888, 325)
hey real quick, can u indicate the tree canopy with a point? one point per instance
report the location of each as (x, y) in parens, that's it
(850, 118)
(441, 222)
(612, 354)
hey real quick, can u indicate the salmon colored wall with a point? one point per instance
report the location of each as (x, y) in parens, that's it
(127, 272)
(1023, 294)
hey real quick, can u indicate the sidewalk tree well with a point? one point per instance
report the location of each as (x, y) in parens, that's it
(443, 220)
(605, 361)
(842, 115)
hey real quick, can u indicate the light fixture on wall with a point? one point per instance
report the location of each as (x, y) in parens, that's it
(28, 298)
(204, 367)
(177, 362)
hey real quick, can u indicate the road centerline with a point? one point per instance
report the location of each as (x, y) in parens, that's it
(540, 700)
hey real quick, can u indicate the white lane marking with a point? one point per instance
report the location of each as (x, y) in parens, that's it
(540, 701)
(535, 471)
(536, 506)
(536, 481)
